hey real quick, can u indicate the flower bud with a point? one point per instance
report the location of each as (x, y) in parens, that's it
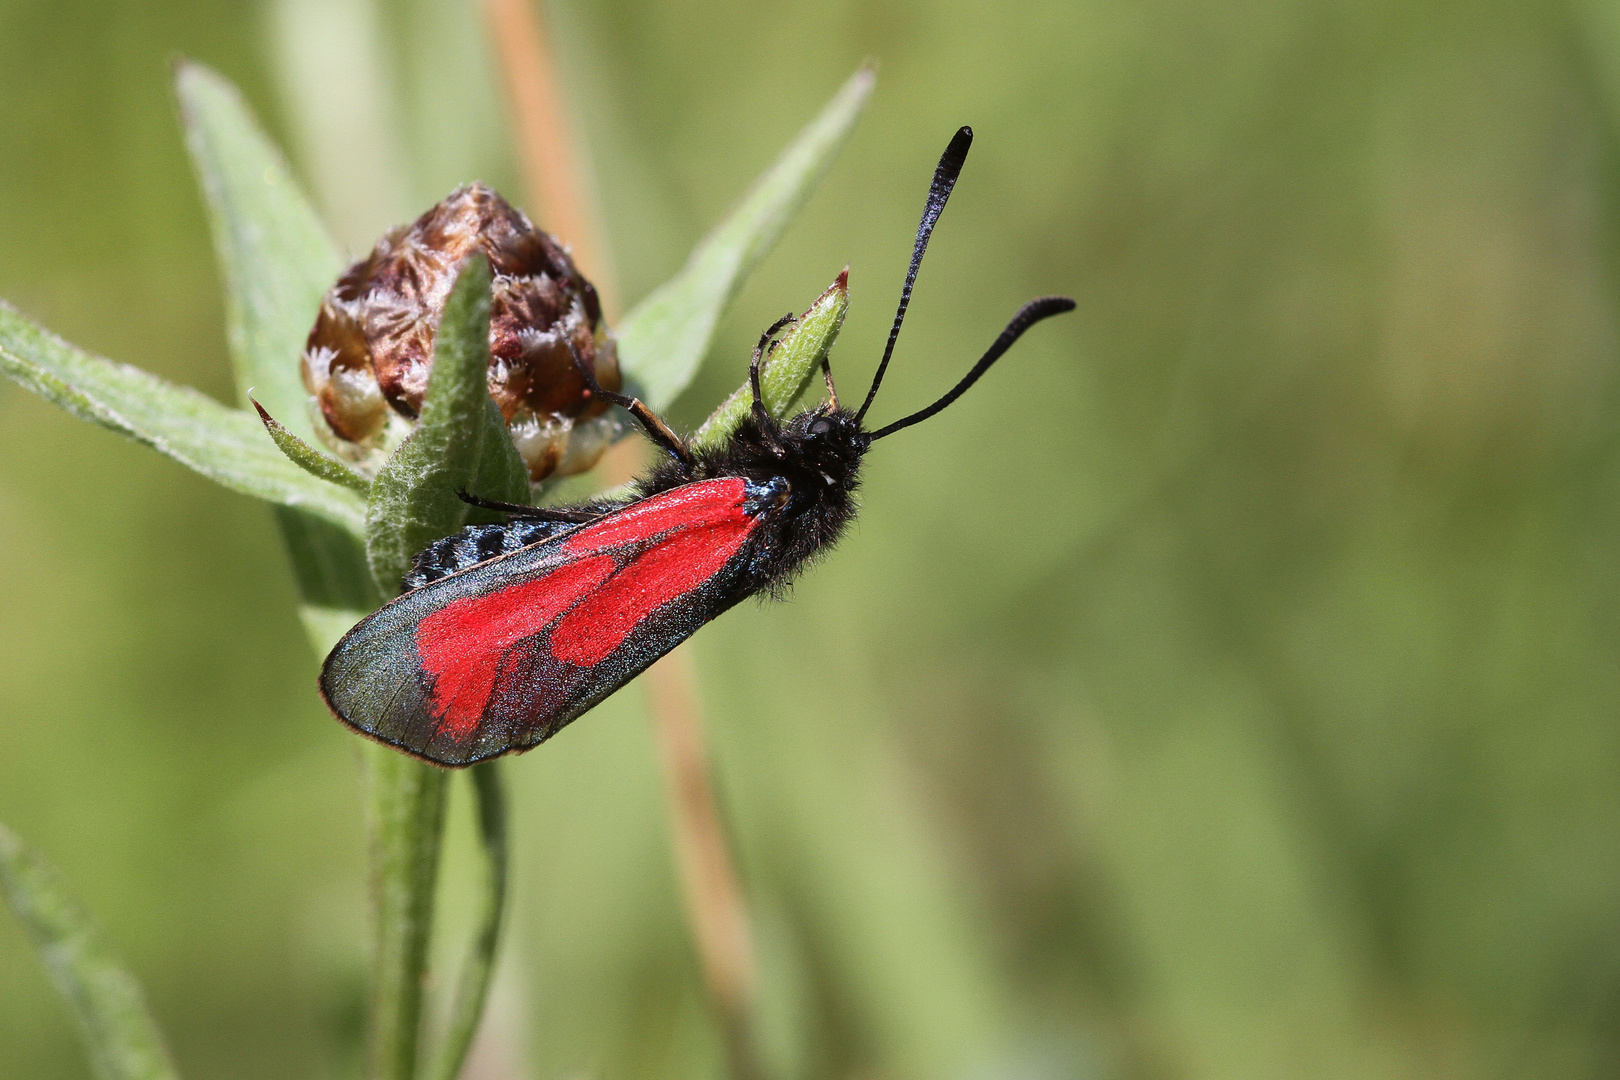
(367, 360)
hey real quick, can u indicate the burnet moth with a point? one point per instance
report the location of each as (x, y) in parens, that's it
(505, 633)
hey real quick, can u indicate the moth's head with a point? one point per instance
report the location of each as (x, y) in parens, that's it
(826, 445)
(828, 425)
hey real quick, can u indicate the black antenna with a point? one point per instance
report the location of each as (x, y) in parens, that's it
(945, 174)
(1030, 314)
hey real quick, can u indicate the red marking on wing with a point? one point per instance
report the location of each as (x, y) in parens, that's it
(690, 504)
(461, 645)
(692, 554)
(689, 534)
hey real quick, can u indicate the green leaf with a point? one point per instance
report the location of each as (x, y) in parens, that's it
(308, 458)
(276, 261)
(275, 256)
(119, 1033)
(459, 442)
(501, 475)
(473, 987)
(787, 371)
(224, 444)
(662, 342)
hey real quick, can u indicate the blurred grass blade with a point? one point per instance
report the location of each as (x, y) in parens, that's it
(224, 444)
(787, 371)
(119, 1033)
(308, 458)
(274, 254)
(413, 499)
(473, 987)
(662, 342)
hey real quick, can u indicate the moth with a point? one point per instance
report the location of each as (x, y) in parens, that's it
(508, 632)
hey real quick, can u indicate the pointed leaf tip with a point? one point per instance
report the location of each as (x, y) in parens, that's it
(309, 459)
(789, 367)
(276, 261)
(273, 252)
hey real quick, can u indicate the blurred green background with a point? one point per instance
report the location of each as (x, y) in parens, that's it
(1226, 688)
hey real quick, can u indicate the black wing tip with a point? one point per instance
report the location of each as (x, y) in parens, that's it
(328, 698)
(418, 752)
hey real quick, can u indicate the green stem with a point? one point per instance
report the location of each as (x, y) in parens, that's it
(473, 989)
(406, 819)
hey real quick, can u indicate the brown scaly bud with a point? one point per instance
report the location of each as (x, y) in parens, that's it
(367, 360)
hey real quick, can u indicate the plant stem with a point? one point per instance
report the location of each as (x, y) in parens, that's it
(406, 818)
(715, 904)
(473, 988)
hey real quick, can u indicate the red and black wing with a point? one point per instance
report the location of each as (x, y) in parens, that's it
(500, 656)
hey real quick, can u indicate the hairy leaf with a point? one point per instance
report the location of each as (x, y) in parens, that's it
(276, 261)
(662, 342)
(224, 444)
(459, 442)
(787, 371)
(309, 459)
(501, 472)
(273, 252)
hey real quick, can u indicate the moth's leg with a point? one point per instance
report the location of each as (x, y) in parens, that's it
(832, 391)
(656, 429)
(760, 413)
(543, 513)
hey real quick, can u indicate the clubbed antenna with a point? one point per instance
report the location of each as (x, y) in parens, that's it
(949, 168)
(1030, 314)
